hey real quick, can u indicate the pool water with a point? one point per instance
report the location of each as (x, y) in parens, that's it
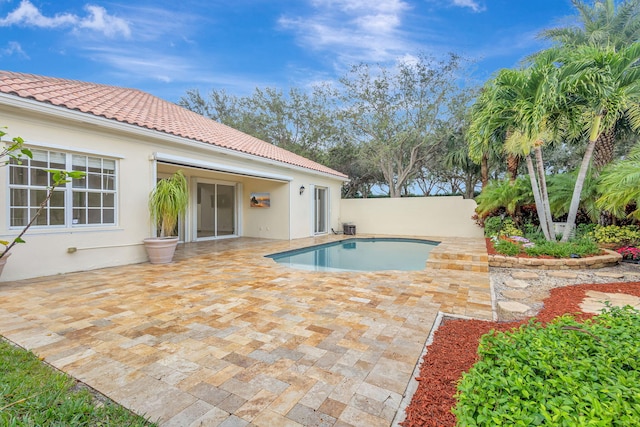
(360, 254)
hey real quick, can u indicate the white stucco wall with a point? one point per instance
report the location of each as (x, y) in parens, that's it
(412, 216)
(46, 251)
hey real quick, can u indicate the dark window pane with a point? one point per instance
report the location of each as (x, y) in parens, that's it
(109, 216)
(94, 181)
(79, 216)
(57, 161)
(19, 175)
(95, 200)
(57, 199)
(41, 219)
(56, 217)
(94, 216)
(39, 177)
(109, 166)
(95, 165)
(109, 182)
(19, 217)
(19, 197)
(40, 159)
(108, 200)
(79, 182)
(79, 199)
(37, 197)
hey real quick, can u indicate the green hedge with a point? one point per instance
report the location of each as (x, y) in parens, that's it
(563, 374)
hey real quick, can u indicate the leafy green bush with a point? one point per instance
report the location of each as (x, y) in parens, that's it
(627, 235)
(540, 247)
(580, 248)
(492, 226)
(507, 247)
(496, 226)
(563, 374)
(504, 195)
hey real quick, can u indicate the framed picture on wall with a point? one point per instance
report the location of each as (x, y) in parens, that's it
(260, 200)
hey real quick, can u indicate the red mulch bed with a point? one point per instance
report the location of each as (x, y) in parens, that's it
(454, 346)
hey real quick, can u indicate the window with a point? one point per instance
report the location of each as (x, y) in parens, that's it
(94, 194)
(86, 201)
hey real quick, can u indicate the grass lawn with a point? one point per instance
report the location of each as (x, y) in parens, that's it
(35, 394)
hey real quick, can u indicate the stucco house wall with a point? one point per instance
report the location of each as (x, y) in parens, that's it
(412, 216)
(142, 156)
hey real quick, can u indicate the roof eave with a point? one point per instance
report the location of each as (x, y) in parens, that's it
(49, 109)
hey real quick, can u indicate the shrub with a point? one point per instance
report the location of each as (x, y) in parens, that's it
(563, 374)
(516, 245)
(496, 226)
(575, 248)
(627, 235)
(492, 226)
(630, 252)
(507, 247)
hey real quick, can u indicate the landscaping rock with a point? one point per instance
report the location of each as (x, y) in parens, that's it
(525, 275)
(515, 294)
(516, 284)
(609, 275)
(563, 274)
(512, 310)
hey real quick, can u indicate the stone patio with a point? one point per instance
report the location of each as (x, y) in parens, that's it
(224, 336)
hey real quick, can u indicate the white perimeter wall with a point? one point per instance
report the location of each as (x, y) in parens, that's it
(412, 216)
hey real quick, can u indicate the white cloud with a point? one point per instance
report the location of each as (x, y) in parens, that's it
(353, 30)
(471, 4)
(13, 48)
(97, 20)
(28, 15)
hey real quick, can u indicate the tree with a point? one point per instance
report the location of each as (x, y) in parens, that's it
(305, 124)
(619, 186)
(604, 25)
(603, 85)
(515, 108)
(392, 113)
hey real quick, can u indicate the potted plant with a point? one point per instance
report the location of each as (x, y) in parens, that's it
(167, 204)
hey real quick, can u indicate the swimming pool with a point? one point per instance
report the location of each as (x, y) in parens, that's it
(360, 254)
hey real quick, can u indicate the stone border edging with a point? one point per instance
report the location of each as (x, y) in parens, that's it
(610, 258)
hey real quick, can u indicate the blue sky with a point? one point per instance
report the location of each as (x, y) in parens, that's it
(166, 47)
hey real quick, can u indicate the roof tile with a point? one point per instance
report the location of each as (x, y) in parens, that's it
(142, 109)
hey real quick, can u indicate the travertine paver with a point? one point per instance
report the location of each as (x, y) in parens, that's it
(525, 275)
(224, 336)
(595, 302)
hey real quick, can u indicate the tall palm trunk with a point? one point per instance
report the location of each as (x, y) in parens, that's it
(513, 162)
(484, 169)
(582, 175)
(538, 199)
(604, 149)
(542, 179)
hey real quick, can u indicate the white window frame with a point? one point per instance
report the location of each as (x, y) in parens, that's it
(68, 190)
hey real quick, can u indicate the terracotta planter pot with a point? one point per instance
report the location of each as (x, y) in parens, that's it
(161, 249)
(3, 261)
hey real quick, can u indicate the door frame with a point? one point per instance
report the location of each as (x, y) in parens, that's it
(194, 205)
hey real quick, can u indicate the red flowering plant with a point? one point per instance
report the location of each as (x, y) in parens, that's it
(630, 253)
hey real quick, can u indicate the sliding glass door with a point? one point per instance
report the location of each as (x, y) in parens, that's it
(216, 210)
(320, 210)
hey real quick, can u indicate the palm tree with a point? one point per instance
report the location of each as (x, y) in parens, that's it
(604, 85)
(518, 105)
(486, 134)
(604, 25)
(620, 186)
(601, 24)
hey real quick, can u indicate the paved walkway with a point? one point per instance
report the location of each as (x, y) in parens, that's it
(226, 337)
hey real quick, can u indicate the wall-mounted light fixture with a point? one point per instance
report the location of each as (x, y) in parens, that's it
(301, 189)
